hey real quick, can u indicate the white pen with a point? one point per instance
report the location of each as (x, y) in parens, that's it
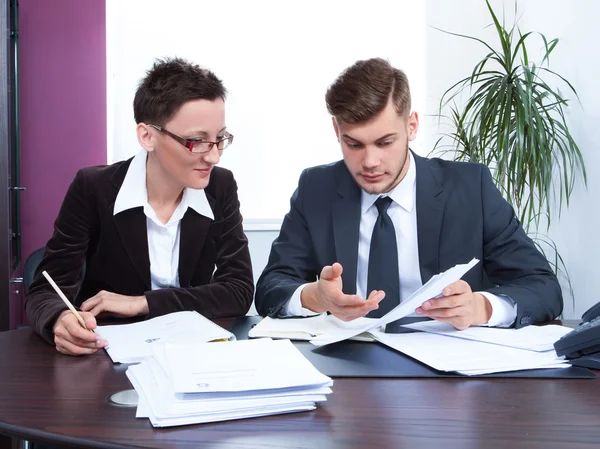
(64, 298)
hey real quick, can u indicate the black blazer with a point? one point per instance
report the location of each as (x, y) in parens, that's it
(460, 215)
(115, 250)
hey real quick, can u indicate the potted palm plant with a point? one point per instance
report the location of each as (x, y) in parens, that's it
(507, 115)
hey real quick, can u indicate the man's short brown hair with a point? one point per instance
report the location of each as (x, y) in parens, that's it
(363, 90)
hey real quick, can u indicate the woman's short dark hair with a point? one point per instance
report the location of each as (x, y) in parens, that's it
(168, 85)
(364, 89)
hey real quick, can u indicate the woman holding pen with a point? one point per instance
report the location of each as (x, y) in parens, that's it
(158, 233)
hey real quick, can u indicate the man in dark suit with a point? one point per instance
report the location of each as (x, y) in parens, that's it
(152, 229)
(364, 233)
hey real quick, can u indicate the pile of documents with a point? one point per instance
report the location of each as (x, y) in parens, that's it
(477, 350)
(189, 383)
(194, 371)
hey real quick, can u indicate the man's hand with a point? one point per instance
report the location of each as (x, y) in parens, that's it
(72, 339)
(120, 305)
(459, 306)
(326, 295)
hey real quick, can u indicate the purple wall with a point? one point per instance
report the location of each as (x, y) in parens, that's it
(62, 64)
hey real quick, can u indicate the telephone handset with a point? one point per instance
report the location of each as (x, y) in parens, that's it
(582, 345)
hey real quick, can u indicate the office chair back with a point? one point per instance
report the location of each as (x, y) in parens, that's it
(30, 266)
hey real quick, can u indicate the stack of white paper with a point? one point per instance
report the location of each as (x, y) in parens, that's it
(130, 343)
(198, 383)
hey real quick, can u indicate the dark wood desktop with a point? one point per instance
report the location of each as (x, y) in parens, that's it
(62, 400)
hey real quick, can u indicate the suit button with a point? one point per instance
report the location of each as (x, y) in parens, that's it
(525, 320)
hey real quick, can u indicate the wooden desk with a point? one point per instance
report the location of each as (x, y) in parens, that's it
(47, 396)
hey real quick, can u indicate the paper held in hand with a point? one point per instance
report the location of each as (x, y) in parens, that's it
(432, 289)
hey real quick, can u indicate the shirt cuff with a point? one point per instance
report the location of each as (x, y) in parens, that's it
(294, 305)
(504, 310)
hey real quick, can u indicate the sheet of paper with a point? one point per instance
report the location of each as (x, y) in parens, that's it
(475, 372)
(142, 410)
(533, 338)
(309, 327)
(432, 289)
(240, 366)
(132, 342)
(228, 416)
(163, 383)
(467, 356)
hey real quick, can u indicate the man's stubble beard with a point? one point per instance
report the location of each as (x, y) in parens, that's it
(396, 179)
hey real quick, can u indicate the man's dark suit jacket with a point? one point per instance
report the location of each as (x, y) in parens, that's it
(115, 251)
(460, 215)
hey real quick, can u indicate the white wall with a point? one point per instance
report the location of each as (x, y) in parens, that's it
(577, 231)
(331, 35)
(259, 242)
(575, 24)
(276, 58)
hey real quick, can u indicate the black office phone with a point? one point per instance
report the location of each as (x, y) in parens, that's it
(581, 346)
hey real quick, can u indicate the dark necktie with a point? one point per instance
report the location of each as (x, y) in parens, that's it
(383, 271)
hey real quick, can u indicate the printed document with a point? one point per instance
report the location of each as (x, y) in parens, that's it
(130, 343)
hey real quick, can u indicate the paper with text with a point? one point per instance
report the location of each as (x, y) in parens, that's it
(240, 366)
(130, 343)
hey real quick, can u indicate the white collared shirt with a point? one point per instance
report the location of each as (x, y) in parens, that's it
(163, 238)
(403, 213)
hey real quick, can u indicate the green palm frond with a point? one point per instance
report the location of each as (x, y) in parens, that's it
(514, 121)
(509, 115)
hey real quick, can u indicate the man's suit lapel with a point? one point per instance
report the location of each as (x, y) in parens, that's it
(131, 226)
(430, 203)
(346, 226)
(194, 228)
